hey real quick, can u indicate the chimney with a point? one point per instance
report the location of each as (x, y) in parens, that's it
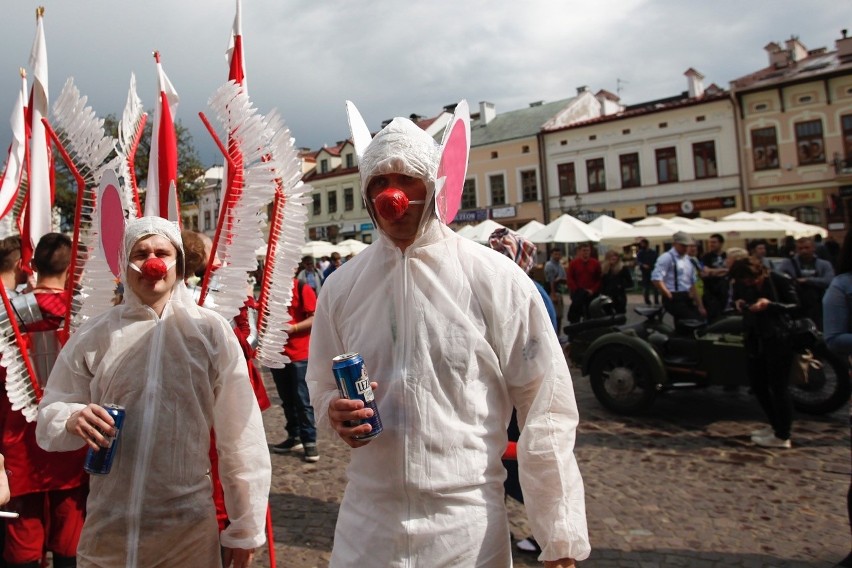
(610, 103)
(582, 89)
(695, 83)
(486, 112)
(777, 56)
(844, 46)
(796, 50)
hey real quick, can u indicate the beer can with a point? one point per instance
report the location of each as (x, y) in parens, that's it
(353, 383)
(99, 462)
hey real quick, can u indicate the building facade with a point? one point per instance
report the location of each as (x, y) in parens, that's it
(795, 133)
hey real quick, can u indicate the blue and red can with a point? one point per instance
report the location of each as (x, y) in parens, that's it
(353, 383)
(100, 462)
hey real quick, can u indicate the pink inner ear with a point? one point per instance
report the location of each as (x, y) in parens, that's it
(112, 226)
(453, 167)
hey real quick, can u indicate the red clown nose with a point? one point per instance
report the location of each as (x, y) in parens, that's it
(391, 204)
(154, 269)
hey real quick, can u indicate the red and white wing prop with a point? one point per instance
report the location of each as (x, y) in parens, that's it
(82, 136)
(251, 135)
(22, 387)
(283, 252)
(129, 134)
(455, 150)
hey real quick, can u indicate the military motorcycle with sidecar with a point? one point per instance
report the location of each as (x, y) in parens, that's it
(630, 364)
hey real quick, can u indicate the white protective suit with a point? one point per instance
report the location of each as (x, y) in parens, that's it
(454, 334)
(178, 376)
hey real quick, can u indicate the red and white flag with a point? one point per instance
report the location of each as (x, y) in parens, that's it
(162, 161)
(236, 73)
(11, 180)
(37, 219)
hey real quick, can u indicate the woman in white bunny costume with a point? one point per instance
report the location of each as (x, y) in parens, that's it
(178, 370)
(454, 334)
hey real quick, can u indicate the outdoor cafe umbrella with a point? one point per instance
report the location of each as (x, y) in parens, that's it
(318, 249)
(566, 229)
(351, 246)
(607, 225)
(530, 228)
(483, 230)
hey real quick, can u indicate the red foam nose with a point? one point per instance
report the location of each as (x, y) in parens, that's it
(154, 269)
(391, 204)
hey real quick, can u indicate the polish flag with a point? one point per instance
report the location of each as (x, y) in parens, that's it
(162, 161)
(236, 73)
(11, 180)
(37, 218)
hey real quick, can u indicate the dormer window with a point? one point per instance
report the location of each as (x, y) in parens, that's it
(323, 166)
(350, 161)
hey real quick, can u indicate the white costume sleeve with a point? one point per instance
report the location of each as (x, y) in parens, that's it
(67, 392)
(244, 465)
(540, 387)
(325, 345)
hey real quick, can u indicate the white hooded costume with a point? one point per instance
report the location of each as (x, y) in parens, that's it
(177, 375)
(454, 334)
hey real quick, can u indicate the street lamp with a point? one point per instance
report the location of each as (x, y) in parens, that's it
(573, 211)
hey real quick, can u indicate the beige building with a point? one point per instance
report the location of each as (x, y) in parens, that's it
(673, 156)
(503, 180)
(795, 132)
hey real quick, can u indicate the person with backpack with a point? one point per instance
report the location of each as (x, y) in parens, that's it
(290, 380)
(812, 276)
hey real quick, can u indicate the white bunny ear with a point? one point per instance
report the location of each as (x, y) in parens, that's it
(455, 150)
(361, 136)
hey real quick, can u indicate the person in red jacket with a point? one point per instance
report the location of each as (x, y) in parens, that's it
(48, 489)
(584, 282)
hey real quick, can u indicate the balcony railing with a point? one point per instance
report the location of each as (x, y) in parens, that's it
(842, 166)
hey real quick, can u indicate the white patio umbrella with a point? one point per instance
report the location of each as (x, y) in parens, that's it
(655, 229)
(466, 230)
(318, 249)
(530, 228)
(351, 246)
(482, 231)
(607, 225)
(566, 229)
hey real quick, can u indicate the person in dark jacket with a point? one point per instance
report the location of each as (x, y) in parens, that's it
(616, 280)
(763, 297)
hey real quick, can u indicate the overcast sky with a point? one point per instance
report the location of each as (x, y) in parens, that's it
(394, 58)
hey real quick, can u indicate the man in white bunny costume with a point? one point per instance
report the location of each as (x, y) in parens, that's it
(178, 370)
(454, 335)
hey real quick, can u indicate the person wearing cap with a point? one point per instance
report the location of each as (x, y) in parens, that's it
(453, 335)
(675, 277)
(178, 371)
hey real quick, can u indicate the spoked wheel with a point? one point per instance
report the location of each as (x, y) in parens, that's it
(821, 385)
(621, 380)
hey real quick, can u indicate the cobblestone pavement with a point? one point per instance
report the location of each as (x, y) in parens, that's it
(679, 487)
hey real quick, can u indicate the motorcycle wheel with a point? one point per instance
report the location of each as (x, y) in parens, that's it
(827, 387)
(621, 380)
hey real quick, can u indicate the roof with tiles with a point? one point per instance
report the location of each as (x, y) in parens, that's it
(711, 93)
(513, 124)
(818, 64)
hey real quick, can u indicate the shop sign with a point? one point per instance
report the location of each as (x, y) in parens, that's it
(366, 227)
(691, 205)
(787, 198)
(503, 212)
(473, 215)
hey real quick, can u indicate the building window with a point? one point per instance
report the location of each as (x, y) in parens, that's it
(704, 156)
(498, 189)
(701, 118)
(596, 175)
(664, 125)
(764, 147)
(630, 170)
(666, 165)
(567, 179)
(525, 149)
(593, 137)
(807, 214)
(468, 200)
(348, 199)
(626, 131)
(494, 155)
(350, 161)
(317, 204)
(207, 220)
(323, 166)
(332, 202)
(759, 107)
(846, 127)
(529, 186)
(809, 142)
(805, 99)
